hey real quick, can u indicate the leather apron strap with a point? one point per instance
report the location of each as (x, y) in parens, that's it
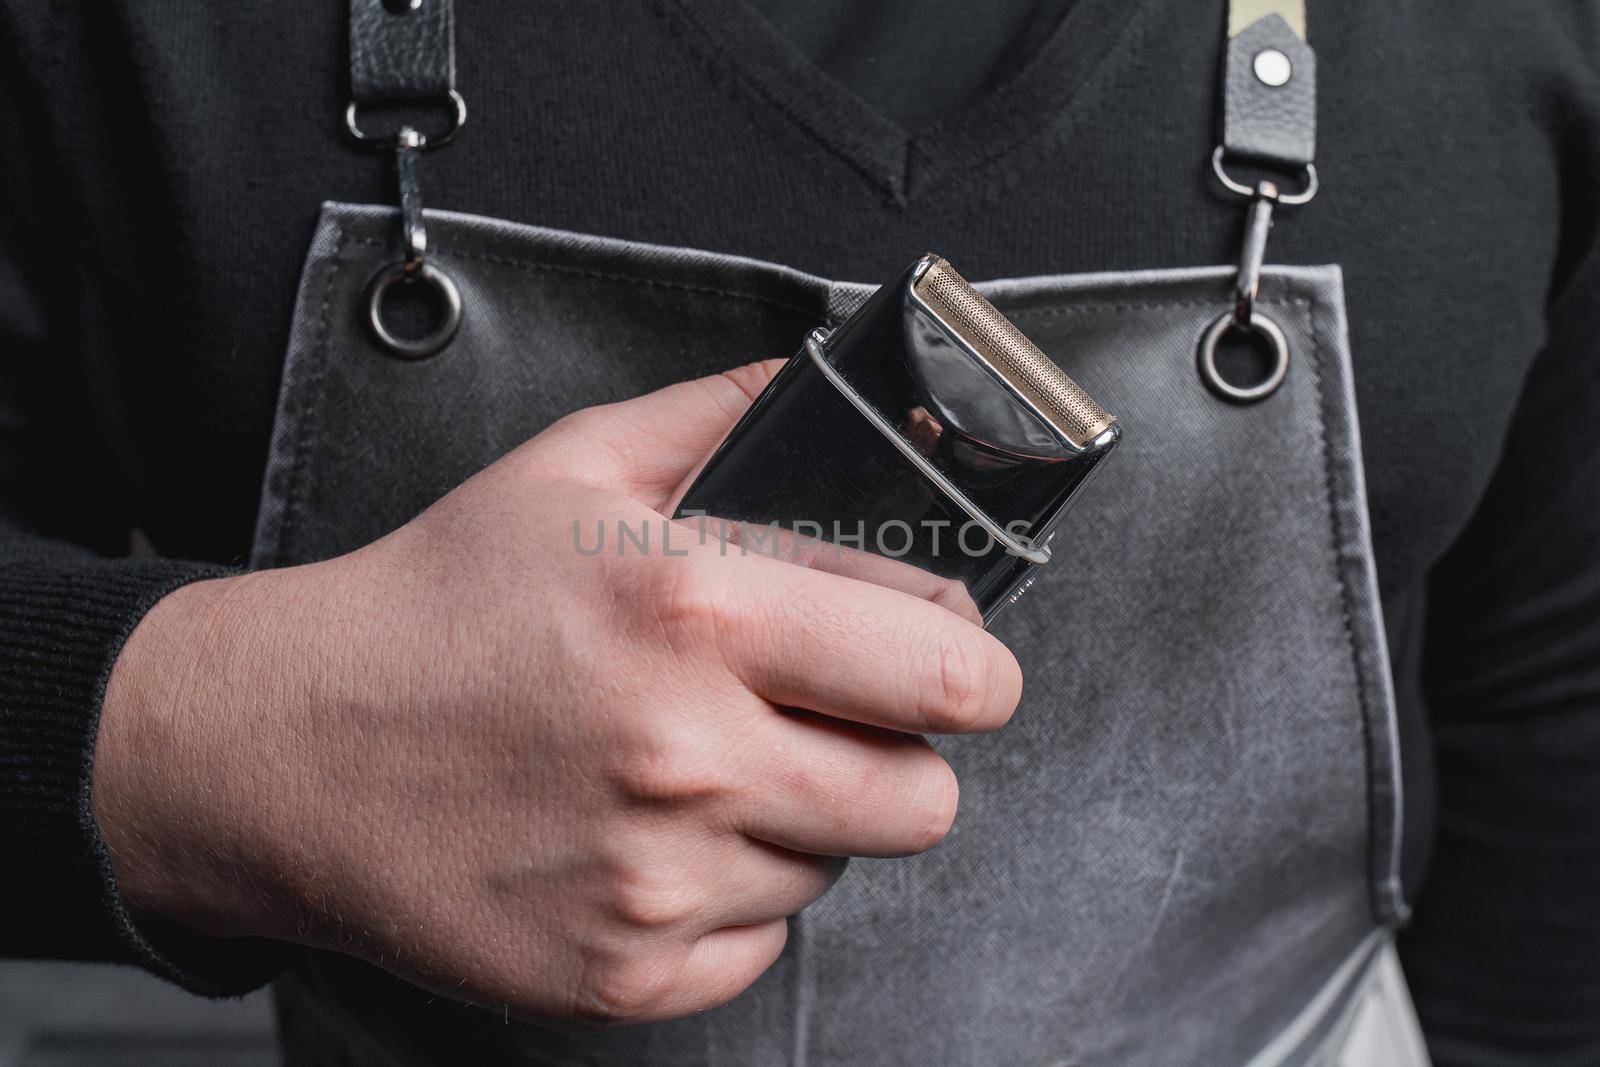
(402, 50)
(1269, 83)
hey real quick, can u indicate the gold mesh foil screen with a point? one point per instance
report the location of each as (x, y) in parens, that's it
(1032, 373)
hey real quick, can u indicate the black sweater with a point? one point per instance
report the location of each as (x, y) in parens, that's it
(163, 165)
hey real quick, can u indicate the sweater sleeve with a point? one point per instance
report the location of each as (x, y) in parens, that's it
(1504, 956)
(67, 604)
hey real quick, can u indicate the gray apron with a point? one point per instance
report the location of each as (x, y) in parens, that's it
(1184, 847)
(1189, 827)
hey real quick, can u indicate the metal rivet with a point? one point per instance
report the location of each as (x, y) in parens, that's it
(1272, 67)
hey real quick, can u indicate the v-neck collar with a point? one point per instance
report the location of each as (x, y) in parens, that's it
(1053, 84)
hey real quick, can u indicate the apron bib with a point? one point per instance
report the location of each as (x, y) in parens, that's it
(1182, 850)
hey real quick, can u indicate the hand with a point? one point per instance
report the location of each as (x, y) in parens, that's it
(587, 788)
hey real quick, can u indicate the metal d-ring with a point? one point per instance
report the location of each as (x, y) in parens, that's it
(1307, 190)
(457, 102)
(1234, 394)
(423, 274)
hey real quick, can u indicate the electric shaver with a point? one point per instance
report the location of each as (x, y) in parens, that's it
(924, 428)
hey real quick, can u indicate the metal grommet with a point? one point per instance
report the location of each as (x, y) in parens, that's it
(1208, 358)
(442, 335)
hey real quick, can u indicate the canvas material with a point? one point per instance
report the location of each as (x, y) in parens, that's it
(1191, 824)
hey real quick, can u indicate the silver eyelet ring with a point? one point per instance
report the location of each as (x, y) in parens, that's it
(1234, 185)
(422, 347)
(1208, 359)
(457, 102)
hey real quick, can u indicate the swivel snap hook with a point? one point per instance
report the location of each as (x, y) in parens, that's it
(408, 146)
(1264, 200)
(1253, 252)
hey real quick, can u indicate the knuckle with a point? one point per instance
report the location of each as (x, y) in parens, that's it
(651, 900)
(953, 688)
(685, 600)
(667, 764)
(563, 444)
(621, 992)
(805, 780)
(582, 424)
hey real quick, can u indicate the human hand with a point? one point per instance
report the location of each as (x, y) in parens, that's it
(587, 788)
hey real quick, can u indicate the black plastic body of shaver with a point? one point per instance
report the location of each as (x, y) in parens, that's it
(924, 428)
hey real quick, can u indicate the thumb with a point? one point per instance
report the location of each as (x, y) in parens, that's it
(647, 446)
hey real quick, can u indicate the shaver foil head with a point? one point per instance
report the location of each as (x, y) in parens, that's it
(1073, 412)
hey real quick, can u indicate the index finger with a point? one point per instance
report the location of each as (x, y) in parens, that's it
(860, 651)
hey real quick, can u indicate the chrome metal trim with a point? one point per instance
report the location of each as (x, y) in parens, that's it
(1016, 546)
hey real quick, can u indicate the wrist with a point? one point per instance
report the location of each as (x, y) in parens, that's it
(171, 787)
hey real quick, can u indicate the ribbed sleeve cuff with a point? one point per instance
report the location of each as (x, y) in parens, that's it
(62, 625)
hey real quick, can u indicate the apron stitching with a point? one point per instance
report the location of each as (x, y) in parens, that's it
(530, 264)
(1074, 309)
(1335, 526)
(315, 394)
